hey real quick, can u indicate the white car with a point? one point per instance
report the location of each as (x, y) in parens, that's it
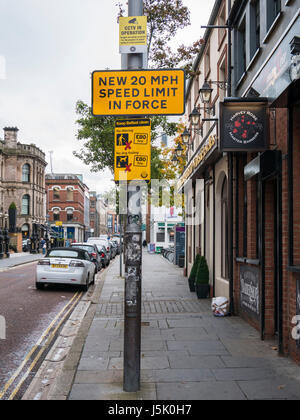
(101, 241)
(65, 266)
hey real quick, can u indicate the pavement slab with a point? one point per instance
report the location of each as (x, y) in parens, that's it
(186, 353)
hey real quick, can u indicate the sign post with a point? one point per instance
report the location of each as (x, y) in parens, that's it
(133, 259)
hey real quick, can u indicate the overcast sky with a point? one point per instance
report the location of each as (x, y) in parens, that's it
(47, 51)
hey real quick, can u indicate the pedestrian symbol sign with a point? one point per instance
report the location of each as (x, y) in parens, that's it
(133, 150)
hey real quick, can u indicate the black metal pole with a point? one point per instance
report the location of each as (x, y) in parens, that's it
(133, 257)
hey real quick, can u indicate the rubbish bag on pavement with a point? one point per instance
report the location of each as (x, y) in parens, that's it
(220, 306)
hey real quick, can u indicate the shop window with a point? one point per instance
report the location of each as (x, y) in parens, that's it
(26, 173)
(224, 230)
(273, 9)
(25, 205)
(160, 237)
(254, 27)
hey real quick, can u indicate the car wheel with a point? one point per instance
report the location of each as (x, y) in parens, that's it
(39, 286)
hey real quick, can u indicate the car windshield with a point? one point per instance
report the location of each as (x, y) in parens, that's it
(63, 254)
(87, 248)
(100, 248)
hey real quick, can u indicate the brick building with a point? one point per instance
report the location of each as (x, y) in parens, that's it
(66, 203)
(22, 182)
(245, 184)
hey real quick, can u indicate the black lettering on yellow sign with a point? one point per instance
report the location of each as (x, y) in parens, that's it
(141, 138)
(140, 161)
(138, 92)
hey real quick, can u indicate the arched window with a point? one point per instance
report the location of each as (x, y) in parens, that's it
(224, 231)
(56, 215)
(25, 231)
(69, 215)
(26, 173)
(70, 194)
(25, 204)
(56, 193)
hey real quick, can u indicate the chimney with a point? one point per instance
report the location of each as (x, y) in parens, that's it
(11, 136)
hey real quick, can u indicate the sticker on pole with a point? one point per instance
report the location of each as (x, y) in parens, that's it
(138, 92)
(133, 34)
(133, 150)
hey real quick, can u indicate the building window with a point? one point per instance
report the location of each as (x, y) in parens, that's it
(69, 215)
(224, 231)
(25, 205)
(222, 22)
(241, 51)
(160, 236)
(254, 27)
(56, 193)
(273, 9)
(70, 194)
(207, 62)
(56, 215)
(26, 173)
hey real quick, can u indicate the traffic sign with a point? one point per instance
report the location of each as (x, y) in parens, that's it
(138, 92)
(133, 34)
(133, 150)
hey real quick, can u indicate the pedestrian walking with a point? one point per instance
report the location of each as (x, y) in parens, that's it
(43, 246)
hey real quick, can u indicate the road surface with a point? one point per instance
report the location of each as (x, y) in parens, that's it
(33, 318)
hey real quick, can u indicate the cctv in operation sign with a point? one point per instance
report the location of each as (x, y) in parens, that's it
(138, 92)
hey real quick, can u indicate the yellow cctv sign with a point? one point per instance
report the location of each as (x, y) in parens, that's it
(133, 34)
(138, 92)
(133, 150)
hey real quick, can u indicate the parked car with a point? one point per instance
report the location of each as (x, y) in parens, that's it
(104, 242)
(117, 244)
(93, 252)
(105, 260)
(26, 245)
(114, 248)
(65, 266)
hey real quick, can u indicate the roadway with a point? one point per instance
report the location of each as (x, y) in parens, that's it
(33, 319)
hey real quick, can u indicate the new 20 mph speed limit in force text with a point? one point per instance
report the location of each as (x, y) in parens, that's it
(138, 92)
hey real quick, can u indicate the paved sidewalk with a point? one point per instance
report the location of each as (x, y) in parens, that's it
(18, 259)
(187, 353)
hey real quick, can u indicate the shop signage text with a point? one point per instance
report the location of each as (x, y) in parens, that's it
(205, 149)
(250, 290)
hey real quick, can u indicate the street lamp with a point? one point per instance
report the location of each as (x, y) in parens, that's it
(179, 150)
(195, 117)
(205, 93)
(185, 136)
(206, 90)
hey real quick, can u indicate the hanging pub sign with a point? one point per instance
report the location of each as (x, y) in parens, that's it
(243, 125)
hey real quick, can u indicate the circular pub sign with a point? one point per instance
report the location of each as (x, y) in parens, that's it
(243, 126)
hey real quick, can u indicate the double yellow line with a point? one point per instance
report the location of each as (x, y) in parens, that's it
(44, 342)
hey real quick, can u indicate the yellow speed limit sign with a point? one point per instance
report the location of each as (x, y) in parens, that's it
(133, 150)
(138, 92)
